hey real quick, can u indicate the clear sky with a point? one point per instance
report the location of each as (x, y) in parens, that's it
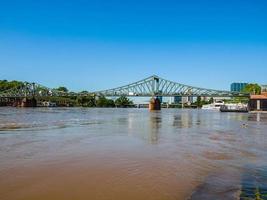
(92, 45)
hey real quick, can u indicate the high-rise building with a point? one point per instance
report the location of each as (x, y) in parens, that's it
(238, 87)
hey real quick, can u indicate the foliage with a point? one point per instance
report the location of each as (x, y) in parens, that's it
(6, 85)
(62, 89)
(237, 100)
(252, 88)
(199, 102)
(123, 101)
(104, 102)
(86, 101)
(211, 100)
(84, 92)
(60, 101)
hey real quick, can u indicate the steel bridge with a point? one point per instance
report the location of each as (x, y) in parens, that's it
(148, 87)
(27, 89)
(157, 86)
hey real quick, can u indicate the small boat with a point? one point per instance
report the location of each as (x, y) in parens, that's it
(48, 104)
(234, 108)
(214, 106)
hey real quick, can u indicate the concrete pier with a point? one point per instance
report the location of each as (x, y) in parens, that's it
(28, 102)
(154, 104)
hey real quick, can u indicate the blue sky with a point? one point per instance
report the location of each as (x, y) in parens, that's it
(93, 45)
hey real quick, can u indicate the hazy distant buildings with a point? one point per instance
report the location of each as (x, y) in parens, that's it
(238, 87)
(177, 99)
(263, 88)
(191, 99)
(182, 99)
(160, 98)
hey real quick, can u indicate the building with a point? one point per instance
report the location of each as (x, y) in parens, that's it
(238, 87)
(184, 100)
(160, 99)
(180, 99)
(191, 99)
(263, 88)
(258, 102)
(177, 99)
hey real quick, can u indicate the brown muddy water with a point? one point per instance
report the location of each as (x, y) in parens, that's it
(133, 154)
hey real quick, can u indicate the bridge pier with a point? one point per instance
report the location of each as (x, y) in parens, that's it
(154, 104)
(28, 102)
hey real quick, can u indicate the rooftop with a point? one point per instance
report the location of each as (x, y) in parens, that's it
(263, 95)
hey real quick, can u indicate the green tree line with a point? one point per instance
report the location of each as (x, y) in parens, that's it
(102, 101)
(252, 88)
(6, 85)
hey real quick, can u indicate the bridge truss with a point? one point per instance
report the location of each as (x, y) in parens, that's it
(156, 86)
(32, 90)
(151, 86)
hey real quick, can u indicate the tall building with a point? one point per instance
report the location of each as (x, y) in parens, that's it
(238, 87)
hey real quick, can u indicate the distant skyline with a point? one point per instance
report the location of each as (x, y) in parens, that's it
(95, 45)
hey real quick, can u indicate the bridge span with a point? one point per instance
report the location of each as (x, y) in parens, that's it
(153, 86)
(157, 86)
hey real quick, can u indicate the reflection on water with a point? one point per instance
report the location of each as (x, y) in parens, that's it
(155, 125)
(186, 120)
(259, 117)
(80, 153)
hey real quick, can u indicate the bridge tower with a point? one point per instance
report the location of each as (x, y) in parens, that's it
(155, 103)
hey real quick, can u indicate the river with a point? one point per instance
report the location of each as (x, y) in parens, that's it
(133, 154)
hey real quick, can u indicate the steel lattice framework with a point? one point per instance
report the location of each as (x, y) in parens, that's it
(32, 89)
(151, 86)
(156, 86)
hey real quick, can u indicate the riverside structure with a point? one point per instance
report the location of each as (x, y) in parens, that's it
(153, 86)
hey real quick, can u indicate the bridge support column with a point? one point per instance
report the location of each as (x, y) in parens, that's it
(154, 104)
(29, 102)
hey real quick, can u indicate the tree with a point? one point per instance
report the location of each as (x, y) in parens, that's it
(211, 100)
(86, 101)
(102, 101)
(62, 89)
(252, 88)
(6, 85)
(84, 92)
(123, 101)
(199, 103)
(110, 103)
